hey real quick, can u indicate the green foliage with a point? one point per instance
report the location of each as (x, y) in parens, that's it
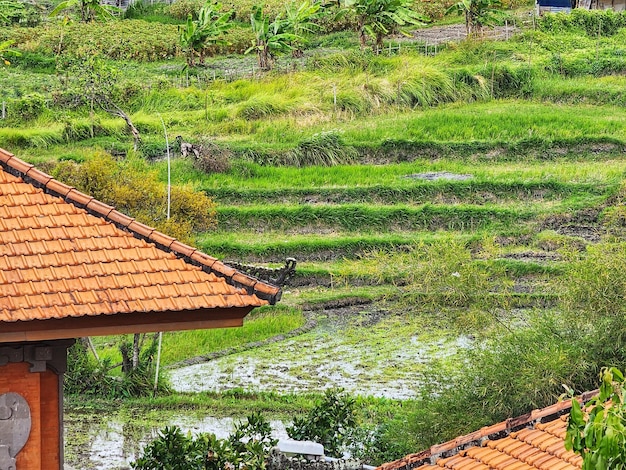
(14, 12)
(86, 376)
(153, 12)
(379, 18)
(439, 275)
(116, 40)
(134, 189)
(323, 149)
(175, 451)
(595, 284)
(270, 38)
(208, 29)
(88, 10)
(594, 23)
(28, 107)
(478, 14)
(597, 431)
(6, 51)
(328, 422)
(300, 20)
(247, 447)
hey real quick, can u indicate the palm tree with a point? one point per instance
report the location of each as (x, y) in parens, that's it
(378, 18)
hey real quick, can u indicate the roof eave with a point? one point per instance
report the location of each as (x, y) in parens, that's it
(138, 322)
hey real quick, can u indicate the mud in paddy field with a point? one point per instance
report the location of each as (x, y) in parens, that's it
(363, 349)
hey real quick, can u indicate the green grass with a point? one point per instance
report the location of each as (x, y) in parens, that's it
(262, 324)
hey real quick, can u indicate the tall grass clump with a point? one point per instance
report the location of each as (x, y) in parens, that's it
(426, 87)
(32, 137)
(322, 149)
(592, 293)
(261, 107)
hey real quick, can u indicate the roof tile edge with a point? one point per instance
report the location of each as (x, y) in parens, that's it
(476, 438)
(48, 184)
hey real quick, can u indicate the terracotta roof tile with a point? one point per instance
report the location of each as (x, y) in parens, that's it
(65, 254)
(530, 442)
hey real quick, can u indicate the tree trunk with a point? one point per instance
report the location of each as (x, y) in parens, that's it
(264, 57)
(115, 110)
(379, 43)
(362, 35)
(136, 337)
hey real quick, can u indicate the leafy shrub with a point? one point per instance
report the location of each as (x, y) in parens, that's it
(595, 430)
(134, 189)
(174, 450)
(86, 376)
(592, 22)
(247, 447)
(14, 12)
(327, 423)
(28, 107)
(117, 40)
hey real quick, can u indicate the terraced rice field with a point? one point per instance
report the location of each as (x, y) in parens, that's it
(364, 236)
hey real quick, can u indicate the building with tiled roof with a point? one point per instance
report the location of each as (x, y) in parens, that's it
(71, 266)
(533, 441)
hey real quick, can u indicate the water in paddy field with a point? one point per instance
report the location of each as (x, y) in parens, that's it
(364, 351)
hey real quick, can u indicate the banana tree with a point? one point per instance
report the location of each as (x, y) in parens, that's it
(269, 38)
(209, 28)
(90, 10)
(379, 18)
(300, 21)
(6, 51)
(478, 14)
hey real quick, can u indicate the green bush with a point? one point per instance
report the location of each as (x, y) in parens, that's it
(246, 448)
(592, 22)
(27, 108)
(328, 423)
(15, 12)
(86, 376)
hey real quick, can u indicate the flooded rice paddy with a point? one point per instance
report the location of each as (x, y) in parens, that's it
(364, 349)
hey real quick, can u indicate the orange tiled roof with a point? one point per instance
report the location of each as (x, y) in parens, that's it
(64, 254)
(532, 441)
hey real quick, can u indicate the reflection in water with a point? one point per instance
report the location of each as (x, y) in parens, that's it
(94, 441)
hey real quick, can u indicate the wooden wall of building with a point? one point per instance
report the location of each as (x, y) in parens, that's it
(41, 390)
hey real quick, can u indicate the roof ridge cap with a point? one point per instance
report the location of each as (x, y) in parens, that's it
(476, 438)
(48, 184)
